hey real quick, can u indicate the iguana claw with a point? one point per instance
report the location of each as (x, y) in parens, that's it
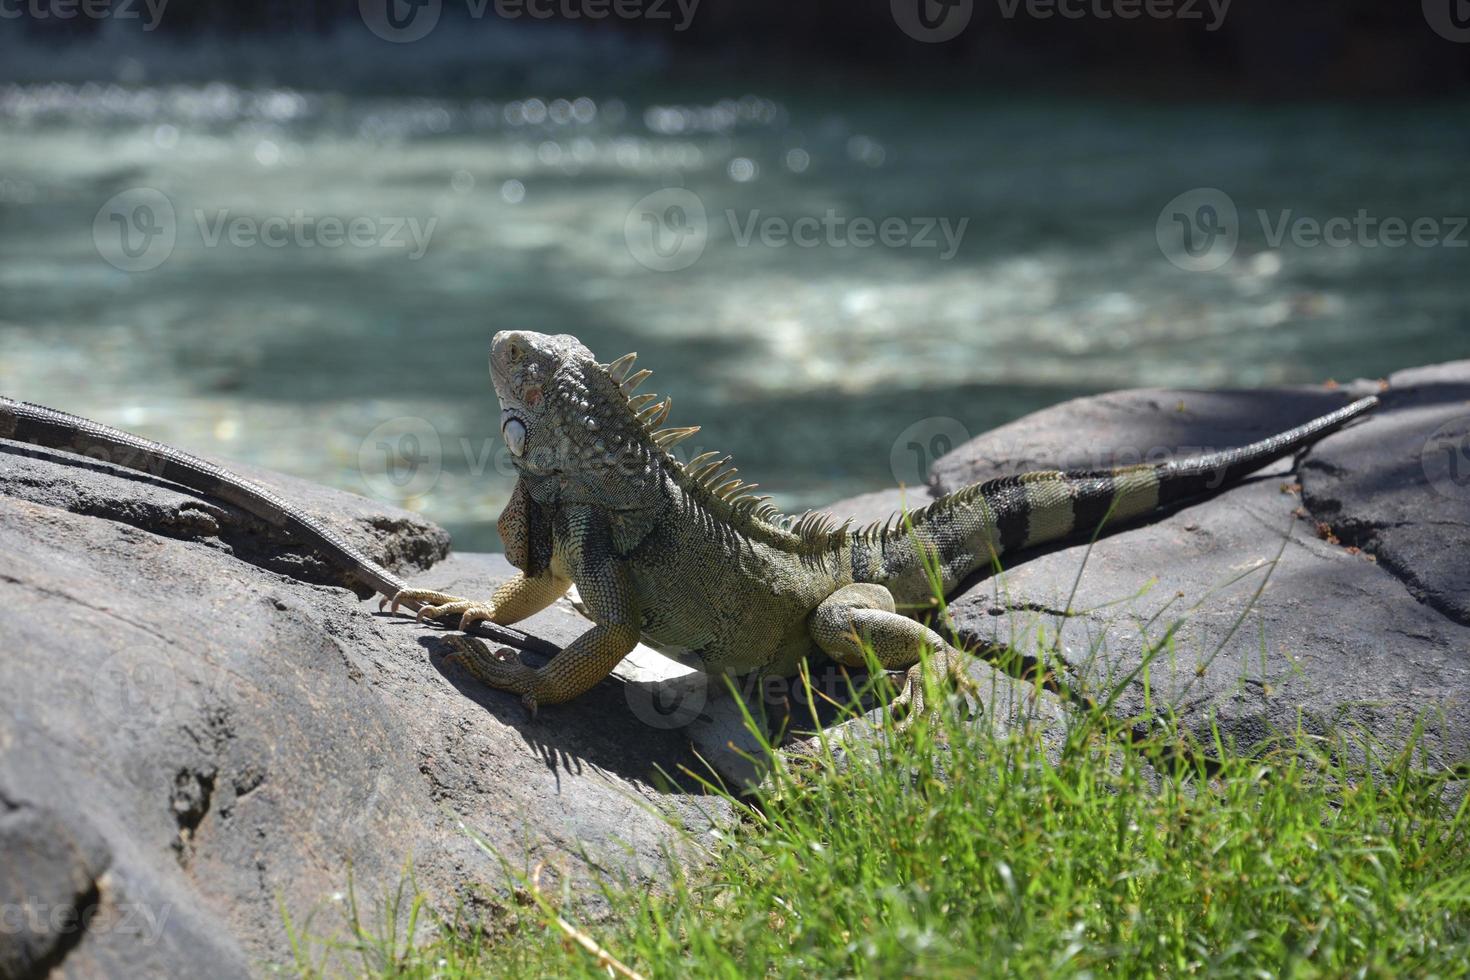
(439, 605)
(415, 599)
(911, 701)
(498, 668)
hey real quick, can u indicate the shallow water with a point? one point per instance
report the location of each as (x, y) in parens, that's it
(809, 363)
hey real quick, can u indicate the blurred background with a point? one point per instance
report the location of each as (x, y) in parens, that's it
(283, 232)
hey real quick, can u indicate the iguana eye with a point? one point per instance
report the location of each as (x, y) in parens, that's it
(515, 436)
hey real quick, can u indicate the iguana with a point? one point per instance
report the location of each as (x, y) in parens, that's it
(684, 557)
(681, 555)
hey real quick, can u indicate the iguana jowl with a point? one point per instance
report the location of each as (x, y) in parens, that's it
(682, 556)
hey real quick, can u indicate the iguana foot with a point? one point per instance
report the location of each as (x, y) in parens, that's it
(500, 669)
(415, 599)
(442, 605)
(912, 702)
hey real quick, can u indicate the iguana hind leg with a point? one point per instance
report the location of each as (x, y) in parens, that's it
(864, 614)
(512, 602)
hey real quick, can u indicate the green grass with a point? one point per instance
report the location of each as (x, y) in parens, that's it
(951, 852)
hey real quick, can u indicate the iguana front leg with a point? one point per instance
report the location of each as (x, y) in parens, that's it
(525, 531)
(512, 602)
(607, 591)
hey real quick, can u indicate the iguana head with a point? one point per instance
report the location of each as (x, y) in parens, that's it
(565, 415)
(532, 373)
(578, 429)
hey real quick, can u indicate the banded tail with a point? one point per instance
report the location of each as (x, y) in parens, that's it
(971, 528)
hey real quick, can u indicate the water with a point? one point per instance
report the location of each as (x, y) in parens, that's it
(805, 362)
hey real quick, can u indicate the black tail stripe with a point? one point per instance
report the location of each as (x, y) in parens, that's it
(1095, 493)
(1010, 508)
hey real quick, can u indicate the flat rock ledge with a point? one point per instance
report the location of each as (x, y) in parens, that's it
(197, 729)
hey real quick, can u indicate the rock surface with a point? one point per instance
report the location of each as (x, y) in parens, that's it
(189, 741)
(1359, 556)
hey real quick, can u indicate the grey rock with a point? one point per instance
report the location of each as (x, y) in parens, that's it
(204, 739)
(1401, 489)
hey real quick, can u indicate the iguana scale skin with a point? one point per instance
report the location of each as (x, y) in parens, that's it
(683, 557)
